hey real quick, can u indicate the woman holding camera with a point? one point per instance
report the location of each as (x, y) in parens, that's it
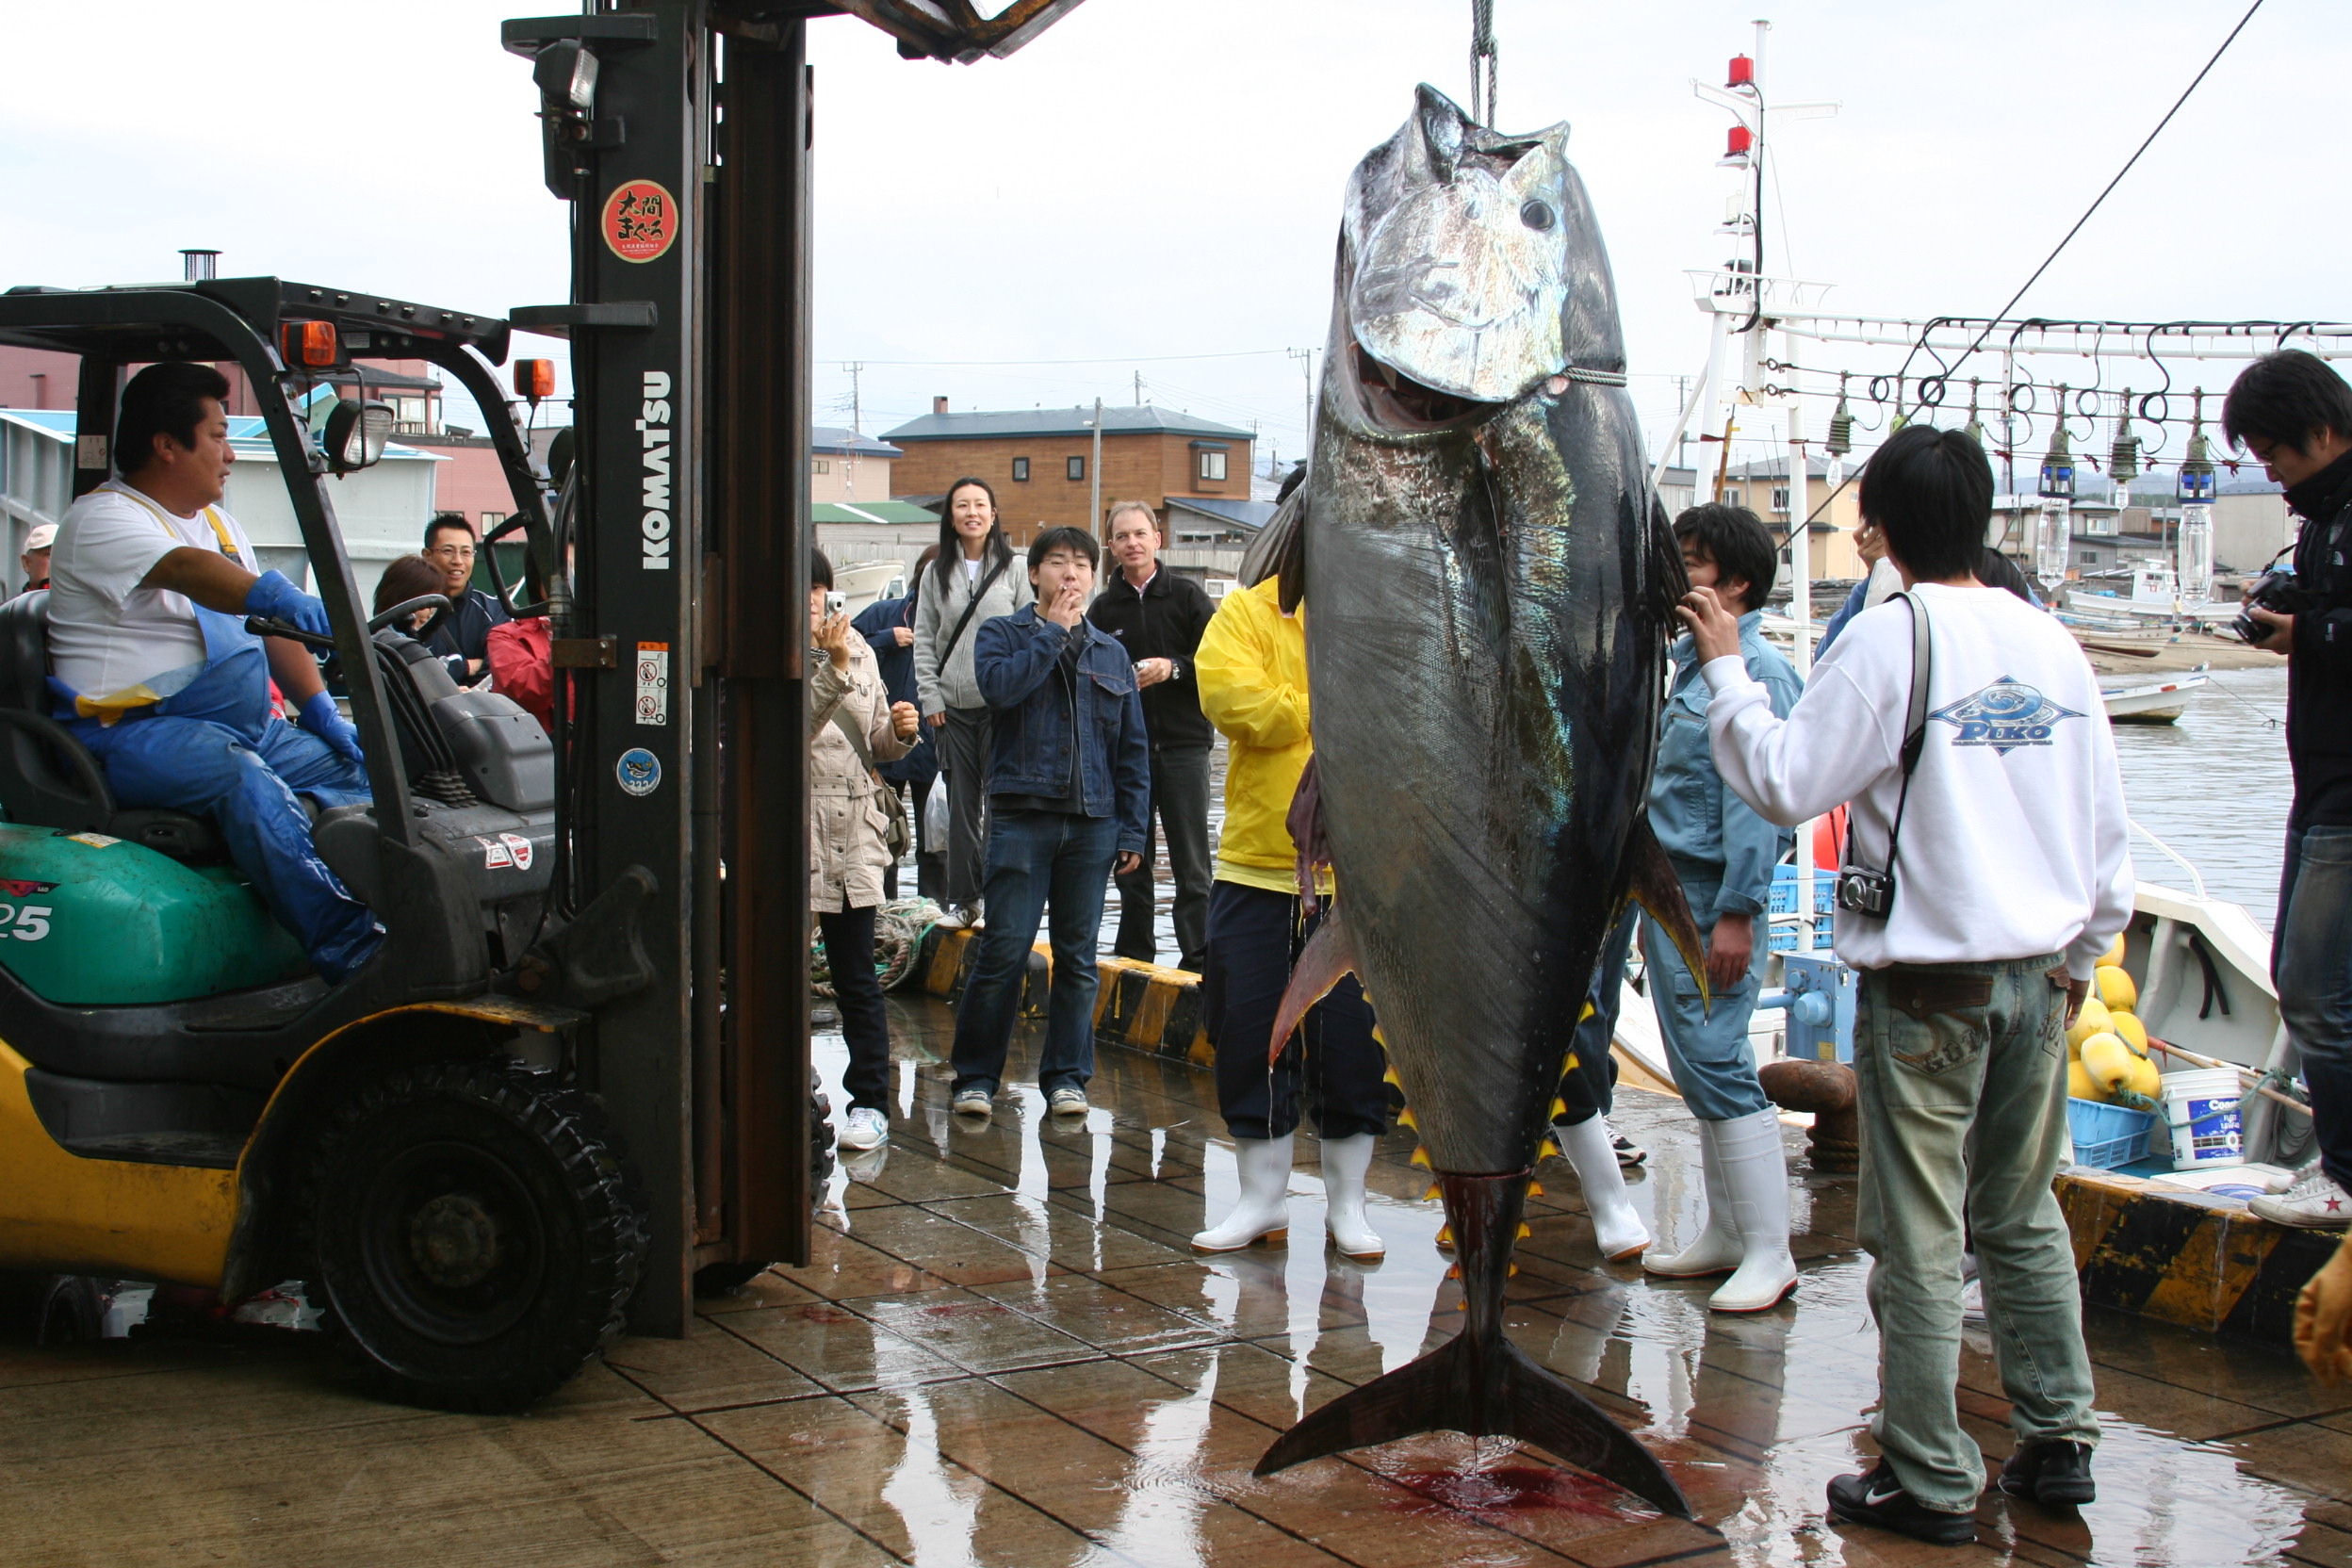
(972, 580)
(852, 725)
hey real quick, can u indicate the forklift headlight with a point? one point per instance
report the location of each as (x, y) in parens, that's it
(566, 73)
(355, 434)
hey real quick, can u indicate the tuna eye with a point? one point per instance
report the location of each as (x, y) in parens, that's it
(1536, 215)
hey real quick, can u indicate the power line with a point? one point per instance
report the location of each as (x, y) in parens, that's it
(2096, 201)
(1998, 315)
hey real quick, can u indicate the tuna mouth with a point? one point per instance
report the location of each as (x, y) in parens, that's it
(1395, 399)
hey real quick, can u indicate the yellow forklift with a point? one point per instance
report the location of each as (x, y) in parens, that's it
(573, 1088)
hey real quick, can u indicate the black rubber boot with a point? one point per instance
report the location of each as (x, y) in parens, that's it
(1875, 1497)
(2056, 1474)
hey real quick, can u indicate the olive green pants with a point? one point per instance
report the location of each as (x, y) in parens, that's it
(1962, 1072)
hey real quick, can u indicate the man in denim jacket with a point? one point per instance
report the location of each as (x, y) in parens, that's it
(1723, 854)
(1070, 784)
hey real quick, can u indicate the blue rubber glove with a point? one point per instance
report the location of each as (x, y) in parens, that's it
(322, 719)
(274, 596)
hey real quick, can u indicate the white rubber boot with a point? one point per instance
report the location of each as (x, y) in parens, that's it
(1755, 1175)
(1263, 1212)
(1716, 1249)
(1617, 1228)
(1345, 1162)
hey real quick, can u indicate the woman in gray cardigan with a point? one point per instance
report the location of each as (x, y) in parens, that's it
(975, 580)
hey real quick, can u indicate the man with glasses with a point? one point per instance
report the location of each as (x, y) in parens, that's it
(450, 545)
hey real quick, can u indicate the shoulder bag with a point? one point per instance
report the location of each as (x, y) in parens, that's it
(894, 837)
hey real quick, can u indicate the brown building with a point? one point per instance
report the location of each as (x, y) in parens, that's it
(1038, 461)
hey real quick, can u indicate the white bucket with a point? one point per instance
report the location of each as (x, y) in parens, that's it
(2201, 1109)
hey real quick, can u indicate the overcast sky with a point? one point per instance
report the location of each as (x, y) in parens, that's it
(1153, 187)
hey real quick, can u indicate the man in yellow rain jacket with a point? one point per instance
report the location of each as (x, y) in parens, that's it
(1252, 670)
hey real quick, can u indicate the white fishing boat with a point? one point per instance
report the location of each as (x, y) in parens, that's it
(862, 582)
(2152, 699)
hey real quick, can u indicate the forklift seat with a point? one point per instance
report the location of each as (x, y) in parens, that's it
(48, 778)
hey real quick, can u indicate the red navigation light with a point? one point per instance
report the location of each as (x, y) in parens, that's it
(1742, 143)
(310, 344)
(1742, 71)
(534, 378)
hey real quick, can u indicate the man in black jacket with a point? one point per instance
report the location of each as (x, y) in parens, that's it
(450, 545)
(2294, 414)
(1159, 616)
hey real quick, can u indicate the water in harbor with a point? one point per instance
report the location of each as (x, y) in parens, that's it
(2215, 788)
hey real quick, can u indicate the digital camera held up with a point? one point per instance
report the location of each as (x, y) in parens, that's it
(2276, 590)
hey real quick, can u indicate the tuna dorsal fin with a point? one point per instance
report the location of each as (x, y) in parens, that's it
(1433, 146)
(1328, 958)
(1658, 890)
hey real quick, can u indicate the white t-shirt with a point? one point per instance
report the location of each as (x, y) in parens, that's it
(2015, 840)
(107, 632)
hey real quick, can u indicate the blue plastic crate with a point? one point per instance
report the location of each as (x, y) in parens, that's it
(2108, 1136)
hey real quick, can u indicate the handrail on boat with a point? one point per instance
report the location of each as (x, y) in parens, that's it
(2195, 879)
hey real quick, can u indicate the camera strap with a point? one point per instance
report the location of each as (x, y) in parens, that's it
(1915, 719)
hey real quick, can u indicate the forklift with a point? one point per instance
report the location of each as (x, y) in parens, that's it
(573, 1088)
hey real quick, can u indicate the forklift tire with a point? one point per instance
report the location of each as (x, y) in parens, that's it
(476, 1237)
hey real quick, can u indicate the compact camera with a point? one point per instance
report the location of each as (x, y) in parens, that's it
(2276, 590)
(835, 601)
(1865, 891)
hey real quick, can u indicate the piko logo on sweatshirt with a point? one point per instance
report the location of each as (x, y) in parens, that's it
(2004, 715)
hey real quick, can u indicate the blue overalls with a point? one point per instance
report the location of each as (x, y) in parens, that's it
(215, 748)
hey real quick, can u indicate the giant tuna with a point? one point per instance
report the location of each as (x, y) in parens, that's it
(1489, 583)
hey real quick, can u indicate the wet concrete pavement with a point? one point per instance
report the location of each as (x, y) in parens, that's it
(1004, 1354)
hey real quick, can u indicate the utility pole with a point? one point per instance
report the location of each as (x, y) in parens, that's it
(1094, 470)
(1138, 388)
(1306, 375)
(855, 370)
(1682, 444)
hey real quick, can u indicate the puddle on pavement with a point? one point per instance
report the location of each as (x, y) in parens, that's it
(1753, 1415)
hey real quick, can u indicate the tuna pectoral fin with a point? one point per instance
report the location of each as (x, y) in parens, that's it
(1503, 1393)
(1658, 890)
(1326, 960)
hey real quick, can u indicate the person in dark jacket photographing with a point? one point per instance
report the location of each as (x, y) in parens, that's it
(2294, 414)
(1159, 616)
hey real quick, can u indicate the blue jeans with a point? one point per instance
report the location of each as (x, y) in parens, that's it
(1036, 859)
(207, 769)
(1706, 1044)
(2312, 963)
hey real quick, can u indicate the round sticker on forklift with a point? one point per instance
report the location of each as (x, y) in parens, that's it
(640, 220)
(639, 771)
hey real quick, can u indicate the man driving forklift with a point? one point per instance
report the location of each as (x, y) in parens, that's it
(153, 670)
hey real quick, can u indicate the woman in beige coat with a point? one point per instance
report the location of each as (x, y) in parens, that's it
(846, 849)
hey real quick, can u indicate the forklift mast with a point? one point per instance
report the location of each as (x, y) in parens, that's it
(679, 131)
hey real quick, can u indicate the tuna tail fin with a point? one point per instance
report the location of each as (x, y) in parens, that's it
(1328, 958)
(1658, 890)
(1479, 1382)
(1499, 1392)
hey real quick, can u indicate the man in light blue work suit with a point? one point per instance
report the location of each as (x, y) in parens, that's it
(1725, 855)
(152, 666)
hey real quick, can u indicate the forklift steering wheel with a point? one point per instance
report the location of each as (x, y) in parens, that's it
(399, 613)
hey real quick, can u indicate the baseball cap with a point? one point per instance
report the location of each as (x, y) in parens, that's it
(41, 538)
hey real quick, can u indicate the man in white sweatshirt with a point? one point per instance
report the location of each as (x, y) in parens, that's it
(2010, 874)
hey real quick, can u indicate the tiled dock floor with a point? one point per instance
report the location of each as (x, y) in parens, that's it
(1005, 1355)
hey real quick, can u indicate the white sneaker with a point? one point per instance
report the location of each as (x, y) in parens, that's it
(2313, 1203)
(1067, 1101)
(864, 1128)
(973, 1102)
(959, 917)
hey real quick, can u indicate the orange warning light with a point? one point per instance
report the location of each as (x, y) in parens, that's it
(534, 378)
(308, 343)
